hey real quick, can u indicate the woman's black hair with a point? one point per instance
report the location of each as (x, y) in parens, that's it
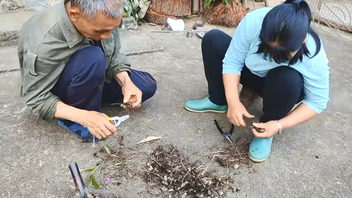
(284, 30)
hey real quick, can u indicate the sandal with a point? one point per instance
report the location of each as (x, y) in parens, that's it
(78, 130)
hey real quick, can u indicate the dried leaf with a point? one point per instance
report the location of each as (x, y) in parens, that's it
(148, 139)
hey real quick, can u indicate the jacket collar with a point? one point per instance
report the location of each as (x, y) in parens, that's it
(71, 34)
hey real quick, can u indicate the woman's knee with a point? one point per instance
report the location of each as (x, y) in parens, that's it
(215, 42)
(285, 76)
(211, 35)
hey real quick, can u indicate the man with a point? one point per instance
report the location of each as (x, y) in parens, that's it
(70, 62)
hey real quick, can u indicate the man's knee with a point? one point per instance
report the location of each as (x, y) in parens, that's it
(149, 88)
(91, 57)
(91, 53)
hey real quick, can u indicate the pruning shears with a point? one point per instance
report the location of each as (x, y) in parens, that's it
(116, 120)
(227, 136)
(124, 104)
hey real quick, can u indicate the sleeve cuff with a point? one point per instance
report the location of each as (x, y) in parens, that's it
(313, 106)
(111, 73)
(49, 109)
(231, 70)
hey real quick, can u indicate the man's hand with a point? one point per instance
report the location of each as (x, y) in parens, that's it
(98, 124)
(131, 93)
(269, 129)
(236, 112)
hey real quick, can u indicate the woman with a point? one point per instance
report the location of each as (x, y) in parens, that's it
(276, 54)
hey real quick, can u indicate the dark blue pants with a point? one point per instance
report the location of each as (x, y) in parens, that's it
(81, 84)
(281, 89)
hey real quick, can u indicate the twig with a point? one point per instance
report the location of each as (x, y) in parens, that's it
(238, 152)
(155, 174)
(206, 162)
(183, 164)
(105, 146)
(215, 191)
(152, 158)
(216, 152)
(185, 175)
(207, 166)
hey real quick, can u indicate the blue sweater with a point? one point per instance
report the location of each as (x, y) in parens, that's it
(243, 51)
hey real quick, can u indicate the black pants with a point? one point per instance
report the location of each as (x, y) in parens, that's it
(281, 89)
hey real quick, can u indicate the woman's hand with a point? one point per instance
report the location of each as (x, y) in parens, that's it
(268, 129)
(236, 112)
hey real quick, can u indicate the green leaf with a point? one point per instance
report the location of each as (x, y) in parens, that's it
(208, 2)
(95, 183)
(137, 17)
(91, 175)
(90, 170)
(128, 7)
(227, 2)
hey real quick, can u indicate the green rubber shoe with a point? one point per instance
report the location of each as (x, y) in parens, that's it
(204, 105)
(259, 149)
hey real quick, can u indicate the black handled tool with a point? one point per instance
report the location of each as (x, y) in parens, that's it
(227, 136)
(81, 190)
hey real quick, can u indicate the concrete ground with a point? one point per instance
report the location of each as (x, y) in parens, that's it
(310, 160)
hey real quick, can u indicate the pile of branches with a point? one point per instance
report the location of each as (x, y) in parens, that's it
(170, 171)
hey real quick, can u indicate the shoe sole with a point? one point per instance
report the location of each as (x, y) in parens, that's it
(76, 135)
(257, 160)
(205, 111)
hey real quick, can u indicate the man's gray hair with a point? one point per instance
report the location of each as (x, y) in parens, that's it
(90, 8)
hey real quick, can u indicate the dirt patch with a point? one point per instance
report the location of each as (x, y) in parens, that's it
(221, 14)
(176, 176)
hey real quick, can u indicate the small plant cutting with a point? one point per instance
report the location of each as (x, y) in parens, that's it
(91, 179)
